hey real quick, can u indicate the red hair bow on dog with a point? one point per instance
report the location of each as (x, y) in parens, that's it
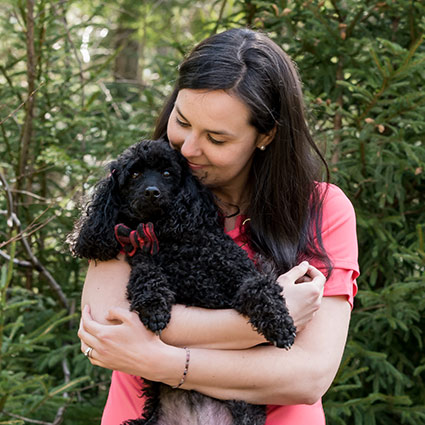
(143, 237)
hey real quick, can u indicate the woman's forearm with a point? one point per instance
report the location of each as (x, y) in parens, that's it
(268, 375)
(105, 287)
(260, 375)
(213, 329)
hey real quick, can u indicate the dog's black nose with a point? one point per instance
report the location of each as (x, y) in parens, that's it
(152, 192)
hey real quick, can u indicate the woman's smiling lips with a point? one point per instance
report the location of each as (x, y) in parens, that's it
(195, 166)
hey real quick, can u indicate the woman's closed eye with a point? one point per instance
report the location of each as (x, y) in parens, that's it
(210, 138)
(215, 141)
(182, 123)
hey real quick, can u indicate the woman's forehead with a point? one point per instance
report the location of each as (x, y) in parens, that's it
(216, 110)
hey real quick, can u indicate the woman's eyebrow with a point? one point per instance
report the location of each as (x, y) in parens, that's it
(180, 113)
(222, 132)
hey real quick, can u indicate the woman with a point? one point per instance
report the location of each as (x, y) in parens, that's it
(237, 115)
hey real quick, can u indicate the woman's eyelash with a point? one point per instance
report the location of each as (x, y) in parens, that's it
(181, 123)
(215, 141)
(210, 138)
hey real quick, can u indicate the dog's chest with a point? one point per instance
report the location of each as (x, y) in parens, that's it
(203, 271)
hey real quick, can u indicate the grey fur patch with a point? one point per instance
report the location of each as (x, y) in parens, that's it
(180, 407)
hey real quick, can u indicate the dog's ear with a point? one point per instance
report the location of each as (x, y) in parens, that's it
(93, 235)
(197, 201)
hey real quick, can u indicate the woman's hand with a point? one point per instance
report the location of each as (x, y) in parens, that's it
(303, 290)
(127, 346)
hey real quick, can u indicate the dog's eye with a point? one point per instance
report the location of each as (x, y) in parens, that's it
(166, 173)
(135, 174)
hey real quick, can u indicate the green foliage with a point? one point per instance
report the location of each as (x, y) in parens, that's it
(89, 80)
(72, 99)
(363, 67)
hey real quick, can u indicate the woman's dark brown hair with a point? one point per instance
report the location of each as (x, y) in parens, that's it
(285, 203)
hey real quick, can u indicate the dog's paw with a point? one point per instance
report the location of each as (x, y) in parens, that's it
(283, 339)
(155, 321)
(278, 329)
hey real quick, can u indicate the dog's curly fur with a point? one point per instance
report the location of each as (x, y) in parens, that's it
(197, 265)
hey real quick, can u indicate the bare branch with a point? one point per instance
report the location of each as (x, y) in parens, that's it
(21, 263)
(29, 230)
(14, 220)
(23, 418)
(32, 195)
(52, 282)
(67, 375)
(59, 415)
(10, 206)
(220, 16)
(109, 98)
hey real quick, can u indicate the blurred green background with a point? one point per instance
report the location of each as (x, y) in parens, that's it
(82, 80)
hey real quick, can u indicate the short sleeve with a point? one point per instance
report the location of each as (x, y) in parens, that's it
(339, 238)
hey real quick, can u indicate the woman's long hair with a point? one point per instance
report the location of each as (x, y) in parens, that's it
(285, 203)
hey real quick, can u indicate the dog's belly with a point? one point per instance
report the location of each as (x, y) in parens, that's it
(180, 407)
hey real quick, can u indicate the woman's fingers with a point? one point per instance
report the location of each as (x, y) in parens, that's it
(303, 290)
(317, 278)
(295, 273)
(87, 340)
(120, 346)
(119, 314)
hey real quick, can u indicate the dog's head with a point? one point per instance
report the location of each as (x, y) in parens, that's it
(150, 176)
(149, 182)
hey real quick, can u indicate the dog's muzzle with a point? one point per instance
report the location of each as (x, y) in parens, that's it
(152, 193)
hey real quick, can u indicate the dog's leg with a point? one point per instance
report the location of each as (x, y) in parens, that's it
(259, 298)
(151, 392)
(149, 295)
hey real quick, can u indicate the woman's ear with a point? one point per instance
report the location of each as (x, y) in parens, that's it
(263, 140)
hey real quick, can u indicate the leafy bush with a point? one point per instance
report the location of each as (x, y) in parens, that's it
(80, 81)
(363, 67)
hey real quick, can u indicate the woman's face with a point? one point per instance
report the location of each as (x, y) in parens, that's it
(211, 129)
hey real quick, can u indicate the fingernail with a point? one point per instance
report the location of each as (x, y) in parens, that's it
(305, 263)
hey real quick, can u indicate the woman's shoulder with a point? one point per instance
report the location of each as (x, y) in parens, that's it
(335, 201)
(338, 228)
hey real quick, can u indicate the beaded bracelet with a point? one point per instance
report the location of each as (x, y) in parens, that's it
(186, 368)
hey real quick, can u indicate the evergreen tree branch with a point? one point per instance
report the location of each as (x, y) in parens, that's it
(9, 81)
(27, 131)
(30, 96)
(62, 18)
(338, 115)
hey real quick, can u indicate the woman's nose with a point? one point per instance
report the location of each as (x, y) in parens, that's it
(190, 147)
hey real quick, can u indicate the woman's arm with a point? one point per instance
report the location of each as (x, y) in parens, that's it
(268, 375)
(105, 288)
(264, 374)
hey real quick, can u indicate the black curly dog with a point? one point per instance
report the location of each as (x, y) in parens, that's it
(179, 254)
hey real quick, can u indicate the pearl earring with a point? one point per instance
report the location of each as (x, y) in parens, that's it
(263, 148)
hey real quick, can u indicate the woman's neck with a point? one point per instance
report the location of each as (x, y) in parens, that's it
(231, 205)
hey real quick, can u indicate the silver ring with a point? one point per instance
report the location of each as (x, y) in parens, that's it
(88, 352)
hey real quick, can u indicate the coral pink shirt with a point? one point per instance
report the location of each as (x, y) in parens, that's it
(340, 242)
